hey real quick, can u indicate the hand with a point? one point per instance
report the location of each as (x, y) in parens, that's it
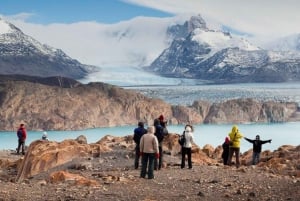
(270, 141)
(157, 155)
(141, 153)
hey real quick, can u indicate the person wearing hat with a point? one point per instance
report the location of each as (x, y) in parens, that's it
(138, 133)
(257, 145)
(225, 152)
(186, 148)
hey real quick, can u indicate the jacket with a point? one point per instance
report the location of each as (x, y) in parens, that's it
(235, 137)
(149, 143)
(189, 139)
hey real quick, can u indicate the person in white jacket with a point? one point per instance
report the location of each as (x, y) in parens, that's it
(187, 146)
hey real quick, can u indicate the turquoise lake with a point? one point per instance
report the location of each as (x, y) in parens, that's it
(281, 134)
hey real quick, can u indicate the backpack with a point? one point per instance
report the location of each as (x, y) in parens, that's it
(20, 134)
(159, 133)
(181, 139)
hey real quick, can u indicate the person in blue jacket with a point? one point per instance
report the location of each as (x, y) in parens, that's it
(138, 133)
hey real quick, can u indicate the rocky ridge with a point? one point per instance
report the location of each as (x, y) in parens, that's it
(104, 171)
(62, 104)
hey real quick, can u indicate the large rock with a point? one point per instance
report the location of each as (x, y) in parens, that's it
(43, 155)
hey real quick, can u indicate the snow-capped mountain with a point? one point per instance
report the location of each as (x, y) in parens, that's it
(288, 43)
(218, 56)
(21, 54)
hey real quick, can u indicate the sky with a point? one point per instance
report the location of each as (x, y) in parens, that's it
(83, 28)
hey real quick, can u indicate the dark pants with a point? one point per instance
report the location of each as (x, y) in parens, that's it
(158, 162)
(188, 152)
(236, 152)
(148, 161)
(21, 143)
(137, 157)
(255, 158)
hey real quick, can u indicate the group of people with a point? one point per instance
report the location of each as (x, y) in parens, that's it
(149, 146)
(231, 146)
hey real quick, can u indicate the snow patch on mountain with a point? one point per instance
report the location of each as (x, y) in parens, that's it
(219, 40)
(4, 27)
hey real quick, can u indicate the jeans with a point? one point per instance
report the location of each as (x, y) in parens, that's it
(148, 161)
(236, 152)
(158, 162)
(188, 152)
(137, 157)
(255, 158)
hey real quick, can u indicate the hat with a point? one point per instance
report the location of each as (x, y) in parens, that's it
(188, 129)
(161, 117)
(227, 140)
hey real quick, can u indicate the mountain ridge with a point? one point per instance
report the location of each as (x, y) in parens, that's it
(221, 58)
(21, 54)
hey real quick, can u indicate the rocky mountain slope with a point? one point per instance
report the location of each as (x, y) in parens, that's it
(62, 104)
(21, 54)
(201, 53)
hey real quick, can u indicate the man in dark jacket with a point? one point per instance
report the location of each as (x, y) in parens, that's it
(159, 133)
(257, 144)
(138, 133)
(21, 133)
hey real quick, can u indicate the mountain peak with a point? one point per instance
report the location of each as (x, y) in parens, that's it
(196, 22)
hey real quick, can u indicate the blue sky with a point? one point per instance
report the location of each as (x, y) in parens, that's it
(71, 11)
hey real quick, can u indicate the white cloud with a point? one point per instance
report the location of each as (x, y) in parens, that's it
(101, 44)
(92, 42)
(262, 19)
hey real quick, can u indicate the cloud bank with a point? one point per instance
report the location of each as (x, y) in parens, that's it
(120, 44)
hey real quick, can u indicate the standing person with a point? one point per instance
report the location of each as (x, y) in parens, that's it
(257, 144)
(149, 151)
(234, 146)
(186, 148)
(225, 152)
(138, 133)
(21, 133)
(160, 136)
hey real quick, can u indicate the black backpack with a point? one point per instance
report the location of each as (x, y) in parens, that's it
(181, 139)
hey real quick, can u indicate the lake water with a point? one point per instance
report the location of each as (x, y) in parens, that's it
(281, 134)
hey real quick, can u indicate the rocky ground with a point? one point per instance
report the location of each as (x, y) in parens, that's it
(111, 176)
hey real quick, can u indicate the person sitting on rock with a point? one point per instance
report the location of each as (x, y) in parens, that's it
(45, 137)
(138, 133)
(149, 151)
(257, 145)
